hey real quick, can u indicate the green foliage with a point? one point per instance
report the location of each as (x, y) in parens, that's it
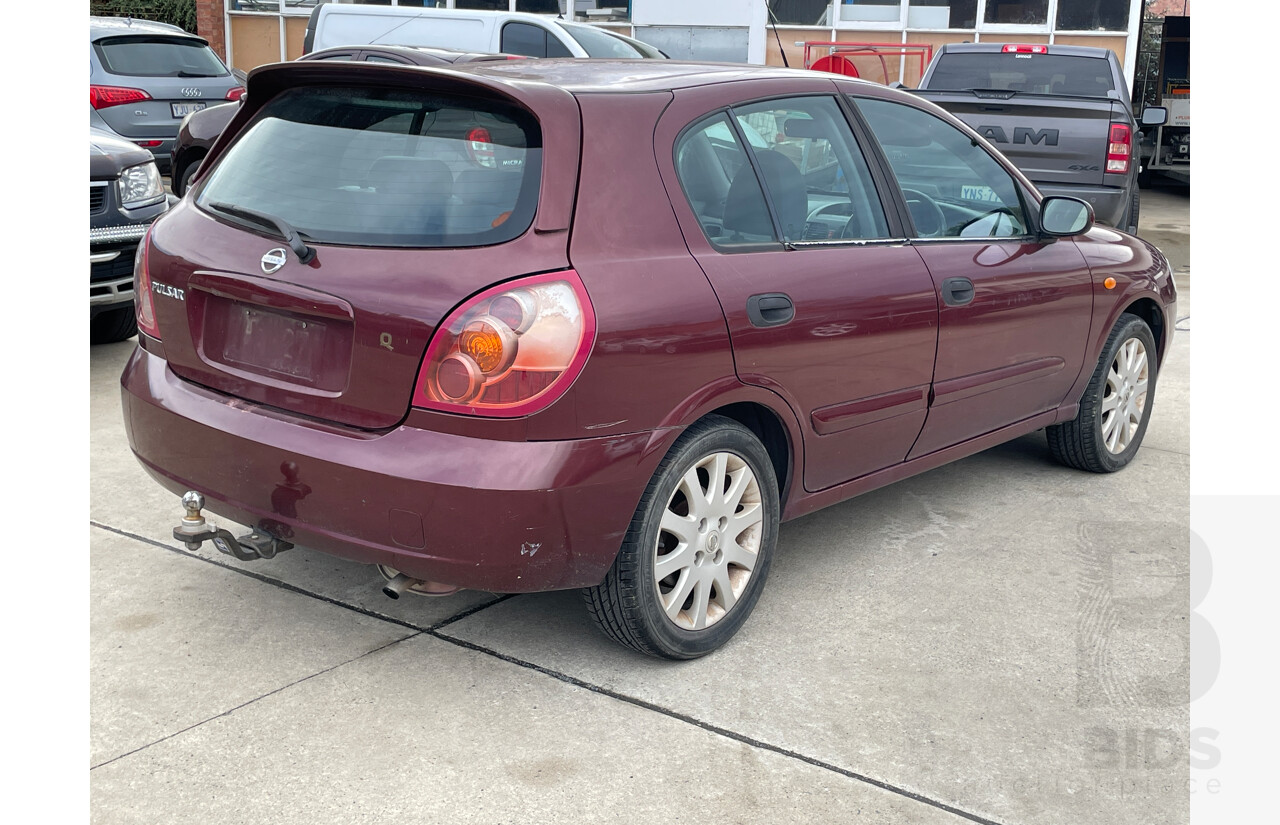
(178, 12)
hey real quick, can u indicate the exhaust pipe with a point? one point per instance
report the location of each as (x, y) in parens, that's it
(398, 583)
(396, 586)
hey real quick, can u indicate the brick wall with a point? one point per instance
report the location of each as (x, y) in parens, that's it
(209, 25)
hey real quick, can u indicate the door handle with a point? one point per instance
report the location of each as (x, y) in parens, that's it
(956, 292)
(770, 309)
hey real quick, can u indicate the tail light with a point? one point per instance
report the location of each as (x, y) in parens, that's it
(148, 144)
(143, 302)
(102, 97)
(235, 93)
(1119, 146)
(510, 351)
(480, 147)
(1017, 48)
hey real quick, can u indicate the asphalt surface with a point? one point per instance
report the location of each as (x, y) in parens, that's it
(1001, 640)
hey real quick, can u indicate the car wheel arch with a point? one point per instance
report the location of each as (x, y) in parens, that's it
(767, 414)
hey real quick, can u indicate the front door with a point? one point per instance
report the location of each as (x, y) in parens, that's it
(1014, 309)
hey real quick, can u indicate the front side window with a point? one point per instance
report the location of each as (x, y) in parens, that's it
(953, 188)
(384, 167)
(531, 41)
(816, 177)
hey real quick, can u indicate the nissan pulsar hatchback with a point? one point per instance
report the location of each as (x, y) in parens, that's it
(604, 325)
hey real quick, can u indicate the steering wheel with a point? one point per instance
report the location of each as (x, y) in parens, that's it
(995, 228)
(925, 213)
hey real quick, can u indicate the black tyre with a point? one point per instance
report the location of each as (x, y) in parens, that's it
(187, 174)
(1131, 223)
(113, 325)
(1116, 406)
(698, 550)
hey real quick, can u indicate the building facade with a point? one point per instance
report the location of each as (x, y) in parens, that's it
(253, 32)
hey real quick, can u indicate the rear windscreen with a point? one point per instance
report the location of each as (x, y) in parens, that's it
(1055, 74)
(382, 167)
(159, 57)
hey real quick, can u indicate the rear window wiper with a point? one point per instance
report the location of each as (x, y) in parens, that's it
(185, 73)
(290, 235)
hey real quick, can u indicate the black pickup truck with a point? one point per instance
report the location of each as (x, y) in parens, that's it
(1061, 113)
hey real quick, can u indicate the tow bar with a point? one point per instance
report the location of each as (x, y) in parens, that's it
(196, 530)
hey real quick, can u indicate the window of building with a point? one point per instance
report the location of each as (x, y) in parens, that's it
(871, 11)
(942, 14)
(800, 12)
(1100, 15)
(1021, 12)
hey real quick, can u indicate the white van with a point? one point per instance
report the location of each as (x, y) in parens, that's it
(531, 35)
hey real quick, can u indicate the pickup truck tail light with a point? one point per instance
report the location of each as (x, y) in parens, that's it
(1119, 145)
(511, 350)
(102, 97)
(143, 302)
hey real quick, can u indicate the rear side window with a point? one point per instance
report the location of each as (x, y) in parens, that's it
(1024, 72)
(158, 57)
(382, 167)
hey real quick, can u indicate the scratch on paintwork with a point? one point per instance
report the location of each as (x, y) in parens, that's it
(602, 426)
(529, 548)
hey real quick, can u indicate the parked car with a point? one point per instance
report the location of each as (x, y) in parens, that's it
(200, 129)
(145, 77)
(530, 35)
(613, 345)
(125, 196)
(1061, 113)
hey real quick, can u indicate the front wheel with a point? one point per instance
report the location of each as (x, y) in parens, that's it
(698, 550)
(1116, 406)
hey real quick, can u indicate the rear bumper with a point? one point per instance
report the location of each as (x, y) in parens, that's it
(1110, 205)
(491, 515)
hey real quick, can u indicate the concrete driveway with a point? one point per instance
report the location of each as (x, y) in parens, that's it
(1001, 640)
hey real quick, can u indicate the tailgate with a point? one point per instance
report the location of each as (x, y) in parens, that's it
(410, 208)
(1051, 139)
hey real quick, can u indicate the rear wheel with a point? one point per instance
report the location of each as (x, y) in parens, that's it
(1116, 406)
(113, 325)
(698, 550)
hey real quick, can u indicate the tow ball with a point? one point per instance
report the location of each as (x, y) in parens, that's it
(196, 530)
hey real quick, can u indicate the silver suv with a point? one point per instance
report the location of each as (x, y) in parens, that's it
(145, 77)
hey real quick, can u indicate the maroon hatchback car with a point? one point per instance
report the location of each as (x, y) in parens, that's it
(604, 325)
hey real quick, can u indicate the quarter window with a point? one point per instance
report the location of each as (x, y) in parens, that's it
(953, 187)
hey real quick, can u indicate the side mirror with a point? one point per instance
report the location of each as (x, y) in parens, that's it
(1065, 217)
(1155, 116)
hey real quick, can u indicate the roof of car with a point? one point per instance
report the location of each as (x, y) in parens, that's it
(100, 27)
(581, 75)
(414, 53)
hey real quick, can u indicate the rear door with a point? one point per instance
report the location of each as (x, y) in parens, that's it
(826, 305)
(181, 74)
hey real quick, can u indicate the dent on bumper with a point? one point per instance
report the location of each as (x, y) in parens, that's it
(490, 515)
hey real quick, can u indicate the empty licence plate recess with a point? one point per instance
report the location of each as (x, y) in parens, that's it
(314, 352)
